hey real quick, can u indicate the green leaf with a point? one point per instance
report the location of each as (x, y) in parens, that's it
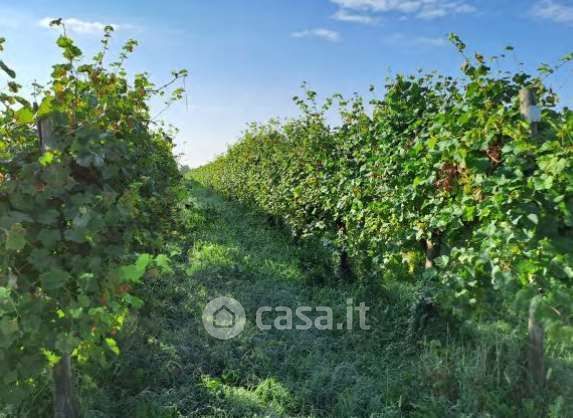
(456, 40)
(49, 237)
(46, 107)
(442, 261)
(76, 313)
(164, 263)
(76, 235)
(66, 344)
(55, 278)
(10, 378)
(133, 301)
(46, 159)
(64, 42)
(14, 87)
(7, 70)
(48, 217)
(13, 217)
(143, 261)
(84, 301)
(42, 259)
(545, 69)
(534, 218)
(567, 58)
(112, 344)
(16, 239)
(71, 51)
(9, 326)
(133, 273)
(25, 116)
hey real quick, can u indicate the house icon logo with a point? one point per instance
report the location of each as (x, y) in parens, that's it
(224, 318)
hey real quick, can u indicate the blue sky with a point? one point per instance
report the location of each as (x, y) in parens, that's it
(248, 58)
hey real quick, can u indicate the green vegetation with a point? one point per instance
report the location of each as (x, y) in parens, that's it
(441, 183)
(170, 367)
(88, 196)
(436, 206)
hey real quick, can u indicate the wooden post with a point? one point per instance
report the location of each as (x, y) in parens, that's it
(345, 269)
(429, 253)
(45, 133)
(535, 352)
(529, 109)
(65, 403)
(536, 335)
(431, 248)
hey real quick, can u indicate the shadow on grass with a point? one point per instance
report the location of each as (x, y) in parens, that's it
(170, 366)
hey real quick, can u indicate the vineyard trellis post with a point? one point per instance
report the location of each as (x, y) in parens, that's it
(431, 250)
(536, 335)
(529, 108)
(65, 401)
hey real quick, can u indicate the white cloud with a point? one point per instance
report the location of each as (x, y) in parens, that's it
(553, 10)
(423, 9)
(345, 16)
(326, 34)
(416, 41)
(79, 26)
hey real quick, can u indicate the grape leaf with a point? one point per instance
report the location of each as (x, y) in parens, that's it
(16, 239)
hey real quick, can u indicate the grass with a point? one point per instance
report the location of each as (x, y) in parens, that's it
(170, 367)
